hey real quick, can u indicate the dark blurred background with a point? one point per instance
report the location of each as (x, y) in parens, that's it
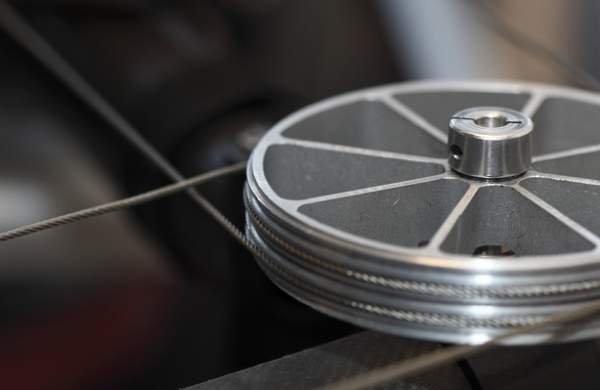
(161, 297)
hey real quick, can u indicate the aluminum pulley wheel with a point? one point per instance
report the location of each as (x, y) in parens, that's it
(447, 211)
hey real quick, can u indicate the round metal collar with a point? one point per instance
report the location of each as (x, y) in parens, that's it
(490, 142)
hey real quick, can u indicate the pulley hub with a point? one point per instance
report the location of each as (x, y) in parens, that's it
(490, 142)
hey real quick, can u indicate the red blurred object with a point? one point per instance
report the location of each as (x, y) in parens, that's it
(96, 338)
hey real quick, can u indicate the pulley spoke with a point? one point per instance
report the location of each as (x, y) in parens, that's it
(533, 104)
(572, 179)
(446, 227)
(415, 118)
(367, 190)
(574, 226)
(567, 153)
(362, 151)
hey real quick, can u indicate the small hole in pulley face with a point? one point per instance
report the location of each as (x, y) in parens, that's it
(455, 152)
(493, 250)
(491, 121)
(422, 244)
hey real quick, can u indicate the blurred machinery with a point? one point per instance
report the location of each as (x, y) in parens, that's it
(161, 296)
(203, 80)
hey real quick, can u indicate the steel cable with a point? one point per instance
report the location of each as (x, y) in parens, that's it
(120, 204)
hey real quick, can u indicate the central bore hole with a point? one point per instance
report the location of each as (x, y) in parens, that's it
(491, 121)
